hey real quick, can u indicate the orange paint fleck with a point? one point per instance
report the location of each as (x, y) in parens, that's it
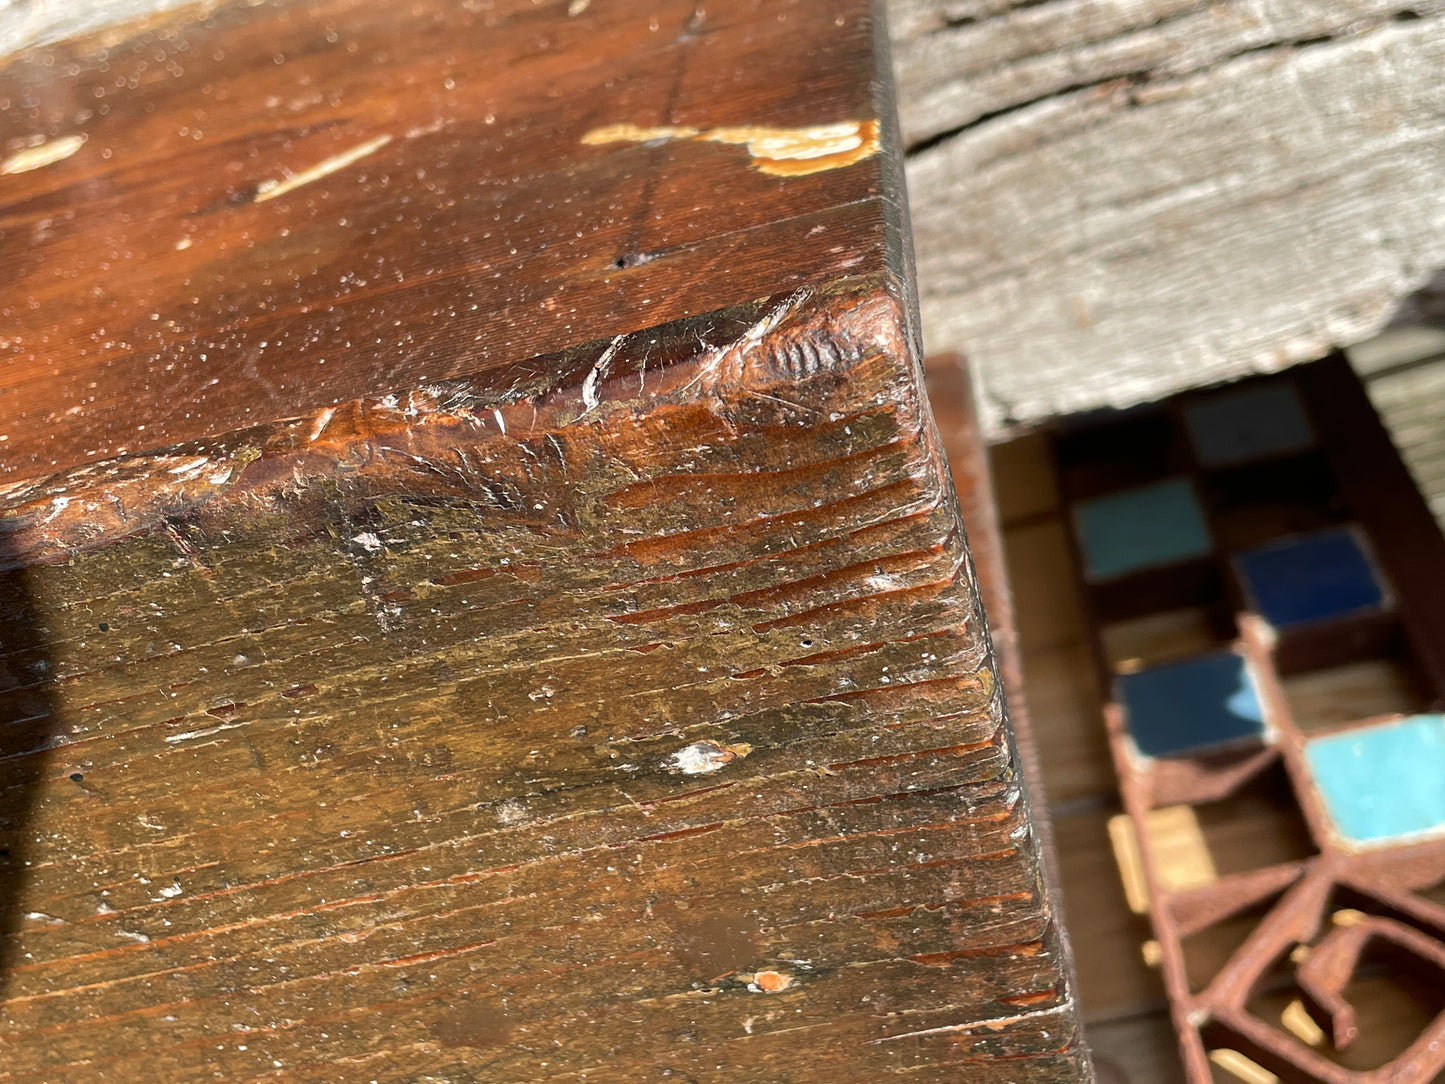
(770, 982)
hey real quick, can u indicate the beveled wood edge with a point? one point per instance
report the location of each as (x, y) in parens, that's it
(767, 344)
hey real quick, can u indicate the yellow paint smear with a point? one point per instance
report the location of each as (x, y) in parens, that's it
(779, 152)
(1176, 843)
(1242, 1068)
(1297, 1020)
(1347, 916)
(268, 190)
(1152, 952)
(794, 152)
(44, 154)
(1125, 842)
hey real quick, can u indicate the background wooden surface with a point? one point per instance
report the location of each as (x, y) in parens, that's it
(1119, 199)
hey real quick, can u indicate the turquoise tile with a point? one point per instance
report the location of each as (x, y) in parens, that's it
(1245, 424)
(1383, 783)
(1187, 707)
(1138, 529)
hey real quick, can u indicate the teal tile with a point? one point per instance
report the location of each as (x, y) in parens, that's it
(1138, 529)
(1383, 783)
(1245, 424)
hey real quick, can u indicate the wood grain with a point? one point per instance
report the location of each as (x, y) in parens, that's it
(1116, 201)
(156, 294)
(374, 768)
(587, 684)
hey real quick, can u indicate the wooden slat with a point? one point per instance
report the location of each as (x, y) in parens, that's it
(1106, 196)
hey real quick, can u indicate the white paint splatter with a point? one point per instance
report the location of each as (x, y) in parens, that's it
(704, 757)
(511, 812)
(269, 190)
(41, 155)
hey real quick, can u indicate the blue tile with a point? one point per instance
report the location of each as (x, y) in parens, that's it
(1190, 706)
(1307, 578)
(1137, 529)
(1247, 424)
(1383, 783)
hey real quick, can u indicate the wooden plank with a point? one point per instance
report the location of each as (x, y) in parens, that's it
(1115, 202)
(598, 689)
(387, 836)
(1408, 399)
(191, 264)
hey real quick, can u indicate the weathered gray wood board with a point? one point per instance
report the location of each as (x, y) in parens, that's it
(1114, 199)
(1404, 373)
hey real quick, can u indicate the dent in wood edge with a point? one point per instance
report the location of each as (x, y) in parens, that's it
(796, 338)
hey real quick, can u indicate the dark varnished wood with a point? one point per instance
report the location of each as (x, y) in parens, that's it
(609, 700)
(483, 234)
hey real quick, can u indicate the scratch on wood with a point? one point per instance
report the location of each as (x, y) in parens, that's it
(273, 189)
(321, 421)
(997, 1023)
(632, 133)
(721, 366)
(189, 735)
(598, 374)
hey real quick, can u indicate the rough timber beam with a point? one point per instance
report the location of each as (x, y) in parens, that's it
(1115, 201)
(482, 598)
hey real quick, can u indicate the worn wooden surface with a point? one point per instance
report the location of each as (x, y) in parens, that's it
(599, 689)
(184, 271)
(1114, 200)
(1118, 200)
